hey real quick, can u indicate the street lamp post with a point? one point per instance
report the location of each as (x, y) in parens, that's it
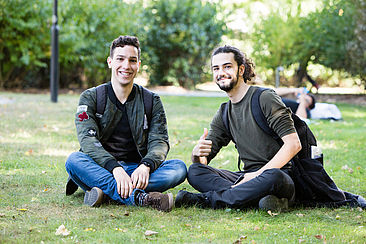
(54, 75)
(278, 70)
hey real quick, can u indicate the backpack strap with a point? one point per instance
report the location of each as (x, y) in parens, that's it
(225, 117)
(147, 97)
(101, 100)
(258, 115)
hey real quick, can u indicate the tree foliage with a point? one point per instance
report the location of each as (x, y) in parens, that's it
(179, 36)
(24, 40)
(327, 36)
(357, 47)
(87, 29)
(176, 38)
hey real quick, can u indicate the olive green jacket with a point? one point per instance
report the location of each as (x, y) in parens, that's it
(151, 139)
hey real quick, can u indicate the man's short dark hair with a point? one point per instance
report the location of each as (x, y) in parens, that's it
(240, 59)
(122, 41)
(312, 104)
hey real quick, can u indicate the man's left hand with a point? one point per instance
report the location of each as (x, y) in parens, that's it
(140, 177)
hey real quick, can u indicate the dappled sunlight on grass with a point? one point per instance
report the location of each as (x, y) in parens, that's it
(56, 152)
(328, 144)
(356, 113)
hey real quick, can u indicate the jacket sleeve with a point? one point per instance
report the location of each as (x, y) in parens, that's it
(217, 134)
(158, 140)
(88, 131)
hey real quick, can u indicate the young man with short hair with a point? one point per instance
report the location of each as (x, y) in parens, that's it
(304, 103)
(265, 181)
(123, 153)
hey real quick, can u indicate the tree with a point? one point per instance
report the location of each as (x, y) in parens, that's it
(86, 31)
(275, 38)
(326, 36)
(179, 35)
(24, 40)
(357, 46)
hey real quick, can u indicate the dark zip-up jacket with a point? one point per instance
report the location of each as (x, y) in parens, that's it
(151, 139)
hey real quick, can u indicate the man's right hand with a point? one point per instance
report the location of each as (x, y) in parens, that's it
(202, 149)
(124, 182)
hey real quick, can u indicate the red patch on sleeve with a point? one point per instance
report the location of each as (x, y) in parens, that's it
(83, 116)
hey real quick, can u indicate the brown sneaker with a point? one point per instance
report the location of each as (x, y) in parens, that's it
(94, 197)
(157, 200)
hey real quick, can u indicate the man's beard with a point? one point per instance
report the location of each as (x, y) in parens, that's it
(231, 85)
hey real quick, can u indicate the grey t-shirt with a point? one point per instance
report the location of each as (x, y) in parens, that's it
(255, 147)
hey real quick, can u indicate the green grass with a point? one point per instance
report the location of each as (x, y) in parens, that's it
(36, 136)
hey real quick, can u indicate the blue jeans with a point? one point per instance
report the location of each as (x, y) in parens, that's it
(86, 173)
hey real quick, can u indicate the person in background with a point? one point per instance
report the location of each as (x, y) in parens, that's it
(302, 105)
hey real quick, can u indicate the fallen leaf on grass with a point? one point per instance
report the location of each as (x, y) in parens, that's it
(257, 228)
(29, 152)
(272, 214)
(301, 240)
(126, 213)
(345, 167)
(89, 229)
(239, 241)
(61, 230)
(122, 230)
(22, 209)
(320, 237)
(34, 199)
(2, 215)
(150, 233)
(112, 216)
(300, 215)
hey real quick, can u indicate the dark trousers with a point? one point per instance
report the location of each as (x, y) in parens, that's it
(215, 184)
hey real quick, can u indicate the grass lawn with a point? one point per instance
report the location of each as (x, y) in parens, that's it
(36, 136)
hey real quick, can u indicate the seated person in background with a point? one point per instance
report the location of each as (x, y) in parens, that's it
(304, 103)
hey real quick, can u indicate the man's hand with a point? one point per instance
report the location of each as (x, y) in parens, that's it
(247, 177)
(124, 182)
(202, 149)
(140, 177)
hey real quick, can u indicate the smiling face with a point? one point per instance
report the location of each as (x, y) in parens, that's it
(124, 65)
(226, 72)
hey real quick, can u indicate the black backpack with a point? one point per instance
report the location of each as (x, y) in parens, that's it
(312, 183)
(101, 101)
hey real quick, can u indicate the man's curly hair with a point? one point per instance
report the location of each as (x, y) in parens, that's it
(122, 41)
(240, 59)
